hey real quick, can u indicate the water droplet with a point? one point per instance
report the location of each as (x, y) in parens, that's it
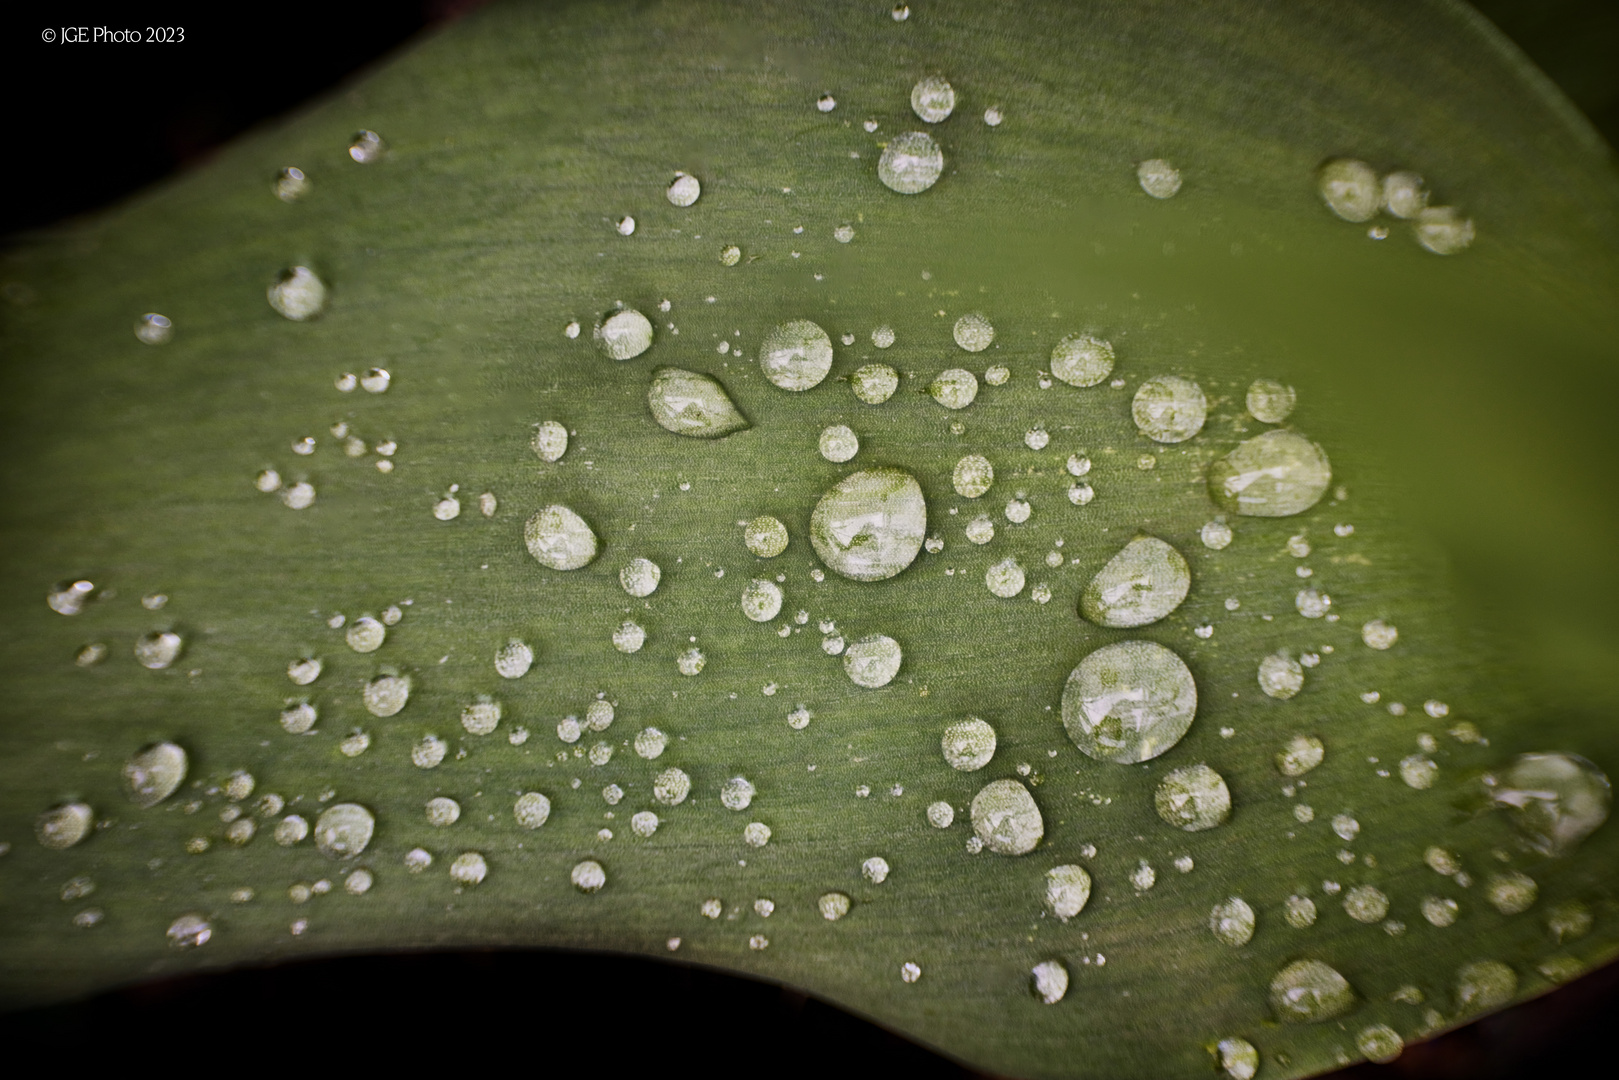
(291, 184)
(624, 335)
(1511, 892)
(1036, 438)
(1303, 813)
(386, 694)
(974, 333)
(1557, 799)
(1309, 991)
(447, 508)
(550, 441)
(684, 189)
(968, 746)
(1281, 676)
(1068, 888)
(691, 662)
(299, 496)
(69, 599)
(1484, 984)
(429, 752)
(692, 404)
(1274, 474)
(826, 103)
(1366, 903)
(1380, 1043)
(1005, 578)
(154, 329)
(796, 355)
(559, 538)
(1378, 634)
(157, 650)
(933, 99)
(640, 577)
(1158, 178)
(63, 826)
(993, 116)
(417, 860)
(1193, 798)
(873, 661)
(843, 234)
(629, 638)
(1301, 754)
(1143, 583)
(671, 787)
(1404, 194)
(343, 830)
(998, 376)
(756, 834)
(1238, 1058)
(443, 811)
(1269, 401)
(469, 868)
(1232, 921)
(1419, 771)
(870, 525)
(973, 476)
(941, 815)
(911, 163)
(1299, 912)
(625, 225)
(153, 774)
(1443, 230)
(1440, 910)
(1006, 818)
(761, 600)
(298, 294)
(291, 830)
(1082, 360)
(189, 932)
(1345, 826)
(1351, 189)
(1128, 702)
(1169, 409)
(839, 444)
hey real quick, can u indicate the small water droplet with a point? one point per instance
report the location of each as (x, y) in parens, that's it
(629, 637)
(417, 860)
(1350, 189)
(1082, 360)
(157, 650)
(873, 661)
(838, 443)
(1144, 876)
(154, 329)
(796, 355)
(910, 971)
(1365, 903)
(1380, 635)
(1193, 798)
(429, 752)
(1232, 921)
(1312, 603)
(1280, 676)
(367, 147)
(299, 496)
(1158, 178)
(826, 103)
(343, 830)
(1018, 510)
(291, 184)
(623, 335)
(1169, 409)
(1443, 230)
(154, 774)
(671, 787)
(1299, 912)
(1301, 754)
(1269, 401)
(354, 744)
(968, 745)
(1484, 984)
(1238, 1058)
(1511, 892)
(469, 868)
(1005, 578)
(267, 481)
(189, 932)
(298, 294)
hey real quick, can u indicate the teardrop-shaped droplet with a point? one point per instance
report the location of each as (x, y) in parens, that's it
(1129, 702)
(624, 335)
(690, 403)
(153, 774)
(1275, 474)
(870, 526)
(1144, 582)
(1006, 818)
(559, 538)
(796, 355)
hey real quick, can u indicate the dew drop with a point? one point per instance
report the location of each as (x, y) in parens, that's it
(910, 971)
(443, 811)
(1301, 754)
(671, 787)
(1068, 888)
(993, 116)
(1158, 178)
(1511, 893)
(1280, 676)
(1193, 798)
(1419, 771)
(1299, 912)
(873, 661)
(343, 830)
(843, 234)
(1484, 984)
(417, 860)
(1379, 635)
(1082, 360)
(1238, 1058)
(1440, 911)
(1269, 401)
(1006, 818)
(838, 444)
(386, 695)
(1404, 194)
(189, 932)
(469, 868)
(623, 335)
(559, 538)
(1274, 474)
(1005, 579)
(1556, 800)
(1443, 230)
(629, 638)
(911, 163)
(968, 746)
(1128, 702)
(730, 255)
(154, 329)
(684, 189)
(941, 815)
(796, 355)
(1169, 409)
(61, 827)
(756, 834)
(291, 830)
(291, 184)
(1309, 991)
(691, 662)
(1232, 921)
(299, 496)
(1143, 583)
(429, 752)
(1350, 189)
(298, 294)
(692, 404)
(973, 333)
(870, 526)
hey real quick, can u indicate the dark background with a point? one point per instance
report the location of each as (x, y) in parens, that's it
(86, 127)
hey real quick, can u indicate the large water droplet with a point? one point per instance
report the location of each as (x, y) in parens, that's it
(1280, 676)
(1484, 984)
(973, 332)
(954, 389)
(386, 694)
(624, 335)
(1351, 189)
(559, 538)
(870, 526)
(1129, 702)
(874, 383)
(1308, 991)
(1443, 230)
(1143, 583)
(1068, 888)
(1238, 1058)
(1169, 409)
(153, 774)
(531, 810)
(1511, 893)
(765, 536)
(933, 99)
(1193, 798)
(911, 163)
(1158, 178)
(1082, 360)
(1006, 818)
(550, 441)
(342, 831)
(365, 634)
(968, 744)
(189, 932)
(1232, 921)
(693, 404)
(761, 600)
(872, 661)
(1556, 799)
(1274, 474)
(298, 294)
(1005, 579)
(671, 787)
(796, 355)
(61, 827)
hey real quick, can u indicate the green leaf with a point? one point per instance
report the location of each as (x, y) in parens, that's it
(481, 256)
